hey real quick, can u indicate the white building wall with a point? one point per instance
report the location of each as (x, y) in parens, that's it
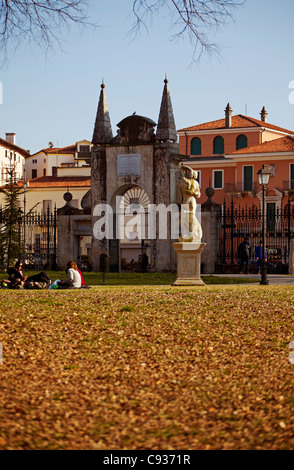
(10, 159)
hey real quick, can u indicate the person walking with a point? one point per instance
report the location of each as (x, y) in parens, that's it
(244, 253)
(259, 254)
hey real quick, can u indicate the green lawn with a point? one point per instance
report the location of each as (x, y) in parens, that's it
(136, 279)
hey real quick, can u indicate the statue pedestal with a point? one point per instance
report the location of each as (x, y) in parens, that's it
(188, 263)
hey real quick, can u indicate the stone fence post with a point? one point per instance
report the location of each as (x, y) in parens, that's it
(210, 212)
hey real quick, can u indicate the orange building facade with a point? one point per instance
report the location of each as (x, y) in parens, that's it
(228, 153)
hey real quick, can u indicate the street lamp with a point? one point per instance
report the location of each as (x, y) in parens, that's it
(25, 187)
(263, 178)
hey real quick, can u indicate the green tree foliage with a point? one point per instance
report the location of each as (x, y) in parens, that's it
(11, 218)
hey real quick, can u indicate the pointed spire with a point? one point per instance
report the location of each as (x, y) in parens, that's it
(166, 128)
(102, 131)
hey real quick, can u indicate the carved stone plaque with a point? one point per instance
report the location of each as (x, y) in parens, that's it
(129, 165)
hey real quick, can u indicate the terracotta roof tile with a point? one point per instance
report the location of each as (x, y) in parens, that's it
(284, 144)
(68, 149)
(238, 121)
(14, 147)
(60, 182)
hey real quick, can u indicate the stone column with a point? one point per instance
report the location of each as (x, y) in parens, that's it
(67, 247)
(210, 212)
(98, 196)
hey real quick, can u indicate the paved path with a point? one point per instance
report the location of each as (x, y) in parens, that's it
(273, 279)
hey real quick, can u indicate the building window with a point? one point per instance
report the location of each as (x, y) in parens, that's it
(270, 216)
(196, 146)
(218, 145)
(84, 148)
(218, 179)
(291, 186)
(241, 142)
(247, 178)
(46, 204)
(34, 161)
(34, 174)
(44, 172)
(199, 177)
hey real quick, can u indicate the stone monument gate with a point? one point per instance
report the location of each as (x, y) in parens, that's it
(139, 164)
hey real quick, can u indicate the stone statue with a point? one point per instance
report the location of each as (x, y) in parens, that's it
(191, 230)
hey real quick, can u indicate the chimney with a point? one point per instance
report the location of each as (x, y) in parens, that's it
(263, 114)
(228, 112)
(10, 137)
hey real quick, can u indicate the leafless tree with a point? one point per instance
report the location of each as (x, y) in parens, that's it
(39, 21)
(43, 21)
(194, 18)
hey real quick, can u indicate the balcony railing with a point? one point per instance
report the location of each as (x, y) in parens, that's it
(288, 185)
(241, 188)
(84, 155)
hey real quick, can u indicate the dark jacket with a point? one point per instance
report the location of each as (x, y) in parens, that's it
(15, 277)
(244, 250)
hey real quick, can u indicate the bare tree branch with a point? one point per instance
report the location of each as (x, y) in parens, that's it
(39, 21)
(42, 21)
(194, 18)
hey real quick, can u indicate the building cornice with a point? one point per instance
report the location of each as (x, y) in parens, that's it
(230, 130)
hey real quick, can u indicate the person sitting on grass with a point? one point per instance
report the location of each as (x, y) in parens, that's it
(74, 278)
(17, 280)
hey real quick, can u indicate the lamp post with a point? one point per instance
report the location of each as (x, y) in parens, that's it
(25, 187)
(263, 178)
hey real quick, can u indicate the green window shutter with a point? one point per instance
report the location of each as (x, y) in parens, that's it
(292, 175)
(241, 142)
(218, 179)
(196, 146)
(271, 216)
(247, 178)
(218, 145)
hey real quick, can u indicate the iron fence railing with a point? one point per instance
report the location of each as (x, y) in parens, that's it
(236, 223)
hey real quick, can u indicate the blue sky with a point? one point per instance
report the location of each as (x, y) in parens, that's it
(54, 98)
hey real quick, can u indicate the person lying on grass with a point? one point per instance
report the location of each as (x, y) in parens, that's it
(17, 280)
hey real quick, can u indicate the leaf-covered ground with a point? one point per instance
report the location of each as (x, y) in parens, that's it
(147, 368)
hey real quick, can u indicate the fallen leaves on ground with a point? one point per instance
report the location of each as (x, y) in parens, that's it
(147, 368)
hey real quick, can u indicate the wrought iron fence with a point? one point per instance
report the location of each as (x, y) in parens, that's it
(38, 235)
(236, 223)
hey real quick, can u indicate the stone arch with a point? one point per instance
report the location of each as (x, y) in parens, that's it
(129, 246)
(123, 190)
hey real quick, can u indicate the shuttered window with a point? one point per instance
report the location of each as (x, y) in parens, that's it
(218, 179)
(218, 145)
(291, 175)
(241, 142)
(247, 178)
(196, 146)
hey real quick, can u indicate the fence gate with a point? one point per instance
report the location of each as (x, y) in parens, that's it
(39, 239)
(236, 223)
